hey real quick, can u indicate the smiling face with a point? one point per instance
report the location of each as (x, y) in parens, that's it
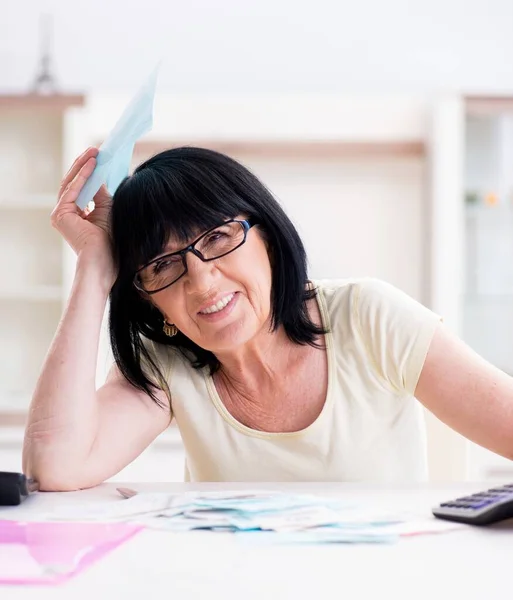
(221, 304)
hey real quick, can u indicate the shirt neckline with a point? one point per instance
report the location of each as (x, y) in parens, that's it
(233, 422)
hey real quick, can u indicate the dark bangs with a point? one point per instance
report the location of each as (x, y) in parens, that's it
(181, 193)
(167, 197)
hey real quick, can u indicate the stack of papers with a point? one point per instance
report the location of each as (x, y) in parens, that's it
(289, 518)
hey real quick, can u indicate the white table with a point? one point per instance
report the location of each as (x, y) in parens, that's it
(469, 564)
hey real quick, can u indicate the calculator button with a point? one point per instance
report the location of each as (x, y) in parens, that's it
(481, 504)
(502, 497)
(481, 508)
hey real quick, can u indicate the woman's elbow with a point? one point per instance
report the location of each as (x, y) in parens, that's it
(48, 466)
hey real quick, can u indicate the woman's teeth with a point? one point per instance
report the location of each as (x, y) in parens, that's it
(217, 307)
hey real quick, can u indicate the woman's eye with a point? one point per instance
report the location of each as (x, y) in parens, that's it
(160, 266)
(216, 236)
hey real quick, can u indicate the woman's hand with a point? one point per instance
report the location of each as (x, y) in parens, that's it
(87, 232)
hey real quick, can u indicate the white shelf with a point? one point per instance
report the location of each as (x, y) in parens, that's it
(33, 293)
(11, 437)
(28, 202)
(32, 253)
(14, 401)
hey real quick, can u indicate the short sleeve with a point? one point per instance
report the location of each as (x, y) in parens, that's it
(396, 331)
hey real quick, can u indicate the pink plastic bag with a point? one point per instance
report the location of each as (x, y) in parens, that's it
(51, 553)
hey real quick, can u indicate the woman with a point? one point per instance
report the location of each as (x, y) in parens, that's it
(213, 321)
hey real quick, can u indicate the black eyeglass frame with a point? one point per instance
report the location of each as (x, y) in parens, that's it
(247, 224)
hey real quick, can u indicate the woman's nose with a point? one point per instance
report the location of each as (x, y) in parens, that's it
(199, 273)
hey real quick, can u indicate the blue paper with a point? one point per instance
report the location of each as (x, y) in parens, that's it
(115, 154)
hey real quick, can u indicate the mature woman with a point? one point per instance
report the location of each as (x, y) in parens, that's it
(213, 321)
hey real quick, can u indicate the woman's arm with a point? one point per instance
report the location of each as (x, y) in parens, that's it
(467, 393)
(77, 436)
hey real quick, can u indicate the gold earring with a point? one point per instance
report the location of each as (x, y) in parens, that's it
(169, 329)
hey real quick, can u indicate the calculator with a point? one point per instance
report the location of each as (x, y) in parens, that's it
(483, 508)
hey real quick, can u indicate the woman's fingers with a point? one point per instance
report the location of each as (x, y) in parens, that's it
(75, 168)
(102, 197)
(71, 192)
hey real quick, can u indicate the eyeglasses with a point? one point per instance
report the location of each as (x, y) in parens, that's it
(215, 243)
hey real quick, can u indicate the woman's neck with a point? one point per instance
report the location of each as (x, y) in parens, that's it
(267, 362)
(263, 360)
(274, 384)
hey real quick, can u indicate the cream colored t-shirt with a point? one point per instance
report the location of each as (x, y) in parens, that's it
(371, 427)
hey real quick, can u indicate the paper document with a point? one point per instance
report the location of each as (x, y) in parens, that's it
(115, 154)
(317, 519)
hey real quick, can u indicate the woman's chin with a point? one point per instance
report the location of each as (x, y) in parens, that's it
(228, 338)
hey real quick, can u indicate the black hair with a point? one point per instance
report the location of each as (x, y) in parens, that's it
(177, 193)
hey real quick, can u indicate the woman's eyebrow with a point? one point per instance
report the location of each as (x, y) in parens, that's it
(173, 246)
(170, 248)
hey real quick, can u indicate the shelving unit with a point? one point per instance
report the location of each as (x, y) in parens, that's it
(487, 303)
(31, 252)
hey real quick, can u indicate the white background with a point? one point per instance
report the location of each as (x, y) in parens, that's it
(275, 46)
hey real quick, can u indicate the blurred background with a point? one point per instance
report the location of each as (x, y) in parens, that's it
(384, 128)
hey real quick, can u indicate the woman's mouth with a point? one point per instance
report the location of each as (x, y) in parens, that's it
(220, 309)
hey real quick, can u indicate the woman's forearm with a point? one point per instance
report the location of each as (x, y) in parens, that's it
(63, 416)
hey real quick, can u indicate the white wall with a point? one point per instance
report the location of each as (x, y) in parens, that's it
(277, 46)
(351, 214)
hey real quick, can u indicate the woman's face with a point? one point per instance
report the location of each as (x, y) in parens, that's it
(221, 304)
